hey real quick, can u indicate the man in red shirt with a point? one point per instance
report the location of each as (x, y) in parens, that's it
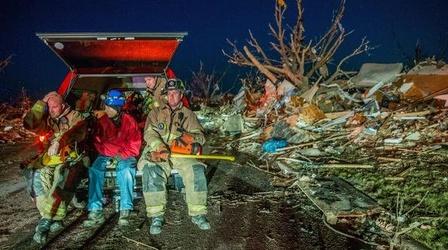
(118, 141)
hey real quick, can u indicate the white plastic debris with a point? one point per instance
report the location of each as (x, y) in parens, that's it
(370, 131)
(311, 152)
(405, 87)
(305, 178)
(413, 136)
(372, 73)
(339, 120)
(238, 100)
(233, 125)
(374, 89)
(285, 169)
(393, 140)
(7, 128)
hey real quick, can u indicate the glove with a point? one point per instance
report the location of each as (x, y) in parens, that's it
(185, 139)
(160, 155)
(50, 95)
(53, 149)
(99, 113)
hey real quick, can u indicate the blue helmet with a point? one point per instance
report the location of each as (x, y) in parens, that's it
(114, 98)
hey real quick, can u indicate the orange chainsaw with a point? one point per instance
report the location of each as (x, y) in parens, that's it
(184, 147)
(189, 149)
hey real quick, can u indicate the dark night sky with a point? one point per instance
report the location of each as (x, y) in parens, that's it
(209, 23)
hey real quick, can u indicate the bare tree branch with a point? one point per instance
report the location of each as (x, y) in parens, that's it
(259, 66)
(362, 48)
(254, 43)
(297, 60)
(5, 62)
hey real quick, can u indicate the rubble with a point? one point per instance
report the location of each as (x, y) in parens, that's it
(421, 87)
(425, 81)
(11, 128)
(384, 150)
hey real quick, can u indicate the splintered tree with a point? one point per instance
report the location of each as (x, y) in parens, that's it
(205, 86)
(300, 61)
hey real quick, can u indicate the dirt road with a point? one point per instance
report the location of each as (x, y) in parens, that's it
(245, 211)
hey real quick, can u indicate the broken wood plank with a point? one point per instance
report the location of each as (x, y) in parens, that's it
(394, 178)
(412, 115)
(345, 166)
(389, 159)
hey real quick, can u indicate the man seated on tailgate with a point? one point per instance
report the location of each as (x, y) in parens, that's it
(118, 140)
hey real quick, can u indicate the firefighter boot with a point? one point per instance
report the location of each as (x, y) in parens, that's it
(94, 218)
(78, 203)
(156, 225)
(201, 222)
(42, 230)
(56, 226)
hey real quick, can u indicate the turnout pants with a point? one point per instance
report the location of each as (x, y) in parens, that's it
(53, 187)
(155, 176)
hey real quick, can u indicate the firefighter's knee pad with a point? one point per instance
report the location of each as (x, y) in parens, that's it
(153, 178)
(200, 181)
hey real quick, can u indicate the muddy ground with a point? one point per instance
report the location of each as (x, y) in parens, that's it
(245, 211)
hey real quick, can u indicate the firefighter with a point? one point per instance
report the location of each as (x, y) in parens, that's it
(117, 140)
(155, 87)
(53, 176)
(165, 126)
(154, 98)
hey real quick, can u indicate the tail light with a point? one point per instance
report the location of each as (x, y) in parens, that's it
(41, 138)
(40, 142)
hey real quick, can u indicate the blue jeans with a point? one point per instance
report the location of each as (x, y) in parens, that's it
(125, 174)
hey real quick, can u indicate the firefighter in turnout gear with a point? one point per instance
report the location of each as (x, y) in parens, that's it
(165, 126)
(155, 87)
(53, 176)
(154, 98)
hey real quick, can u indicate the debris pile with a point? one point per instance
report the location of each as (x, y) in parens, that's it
(11, 125)
(383, 131)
